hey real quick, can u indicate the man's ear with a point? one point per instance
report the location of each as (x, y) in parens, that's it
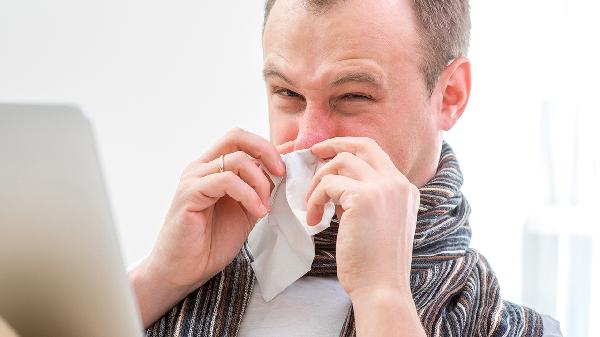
(455, 86)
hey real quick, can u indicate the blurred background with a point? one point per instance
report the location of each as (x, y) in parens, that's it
(163, 80)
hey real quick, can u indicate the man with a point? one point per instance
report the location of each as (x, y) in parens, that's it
(371, 85)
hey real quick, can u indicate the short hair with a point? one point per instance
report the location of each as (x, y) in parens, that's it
(444, 28)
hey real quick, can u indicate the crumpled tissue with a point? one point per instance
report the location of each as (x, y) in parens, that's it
(281, 243)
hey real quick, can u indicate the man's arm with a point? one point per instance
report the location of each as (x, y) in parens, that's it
(386, 312)
(377, 207)
(154, 295)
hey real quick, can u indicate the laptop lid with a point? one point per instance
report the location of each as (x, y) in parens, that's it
(61, 271)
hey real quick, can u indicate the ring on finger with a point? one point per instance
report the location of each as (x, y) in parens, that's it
(222, 163)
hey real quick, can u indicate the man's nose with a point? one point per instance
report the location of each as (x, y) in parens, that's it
(315, 125)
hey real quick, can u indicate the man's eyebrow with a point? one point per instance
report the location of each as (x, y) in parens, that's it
(360, 77)
(272, 71)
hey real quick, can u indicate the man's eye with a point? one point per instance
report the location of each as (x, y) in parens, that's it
(357, 96)
(287, 93)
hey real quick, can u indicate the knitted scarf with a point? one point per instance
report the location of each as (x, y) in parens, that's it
(455, 291)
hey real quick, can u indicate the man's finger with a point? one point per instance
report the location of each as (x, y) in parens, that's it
(338, 189)
(365, 148)
(209, 189)
(344, 164)
(286, 147)
(254, 145)
(242, 165)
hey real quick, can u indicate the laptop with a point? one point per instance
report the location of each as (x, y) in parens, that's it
(61, 270)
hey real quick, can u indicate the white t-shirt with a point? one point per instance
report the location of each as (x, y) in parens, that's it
(312, 306)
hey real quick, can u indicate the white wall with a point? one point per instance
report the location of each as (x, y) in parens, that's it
(164, 80)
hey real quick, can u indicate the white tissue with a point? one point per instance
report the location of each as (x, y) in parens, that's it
(281, 243)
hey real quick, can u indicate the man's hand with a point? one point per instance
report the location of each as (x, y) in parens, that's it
(377, 208)
(210, 217)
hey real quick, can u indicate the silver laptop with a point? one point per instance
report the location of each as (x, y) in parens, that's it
(61, 271)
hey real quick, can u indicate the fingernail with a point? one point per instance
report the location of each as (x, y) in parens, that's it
(281, 166)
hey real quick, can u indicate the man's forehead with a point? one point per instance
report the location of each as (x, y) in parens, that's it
(374, 11)
(299, 41)
(353, 25)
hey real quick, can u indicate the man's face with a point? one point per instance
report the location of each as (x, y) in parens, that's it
(350, 70)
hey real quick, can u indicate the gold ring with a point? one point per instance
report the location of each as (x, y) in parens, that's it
(222, 163)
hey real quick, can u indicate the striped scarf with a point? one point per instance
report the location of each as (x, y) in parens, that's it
(455, 290)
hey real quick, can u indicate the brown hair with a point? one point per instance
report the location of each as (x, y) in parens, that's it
(444, 27)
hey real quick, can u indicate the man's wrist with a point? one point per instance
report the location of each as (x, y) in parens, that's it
(386, 311)
(381, 296)
(155, 295)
